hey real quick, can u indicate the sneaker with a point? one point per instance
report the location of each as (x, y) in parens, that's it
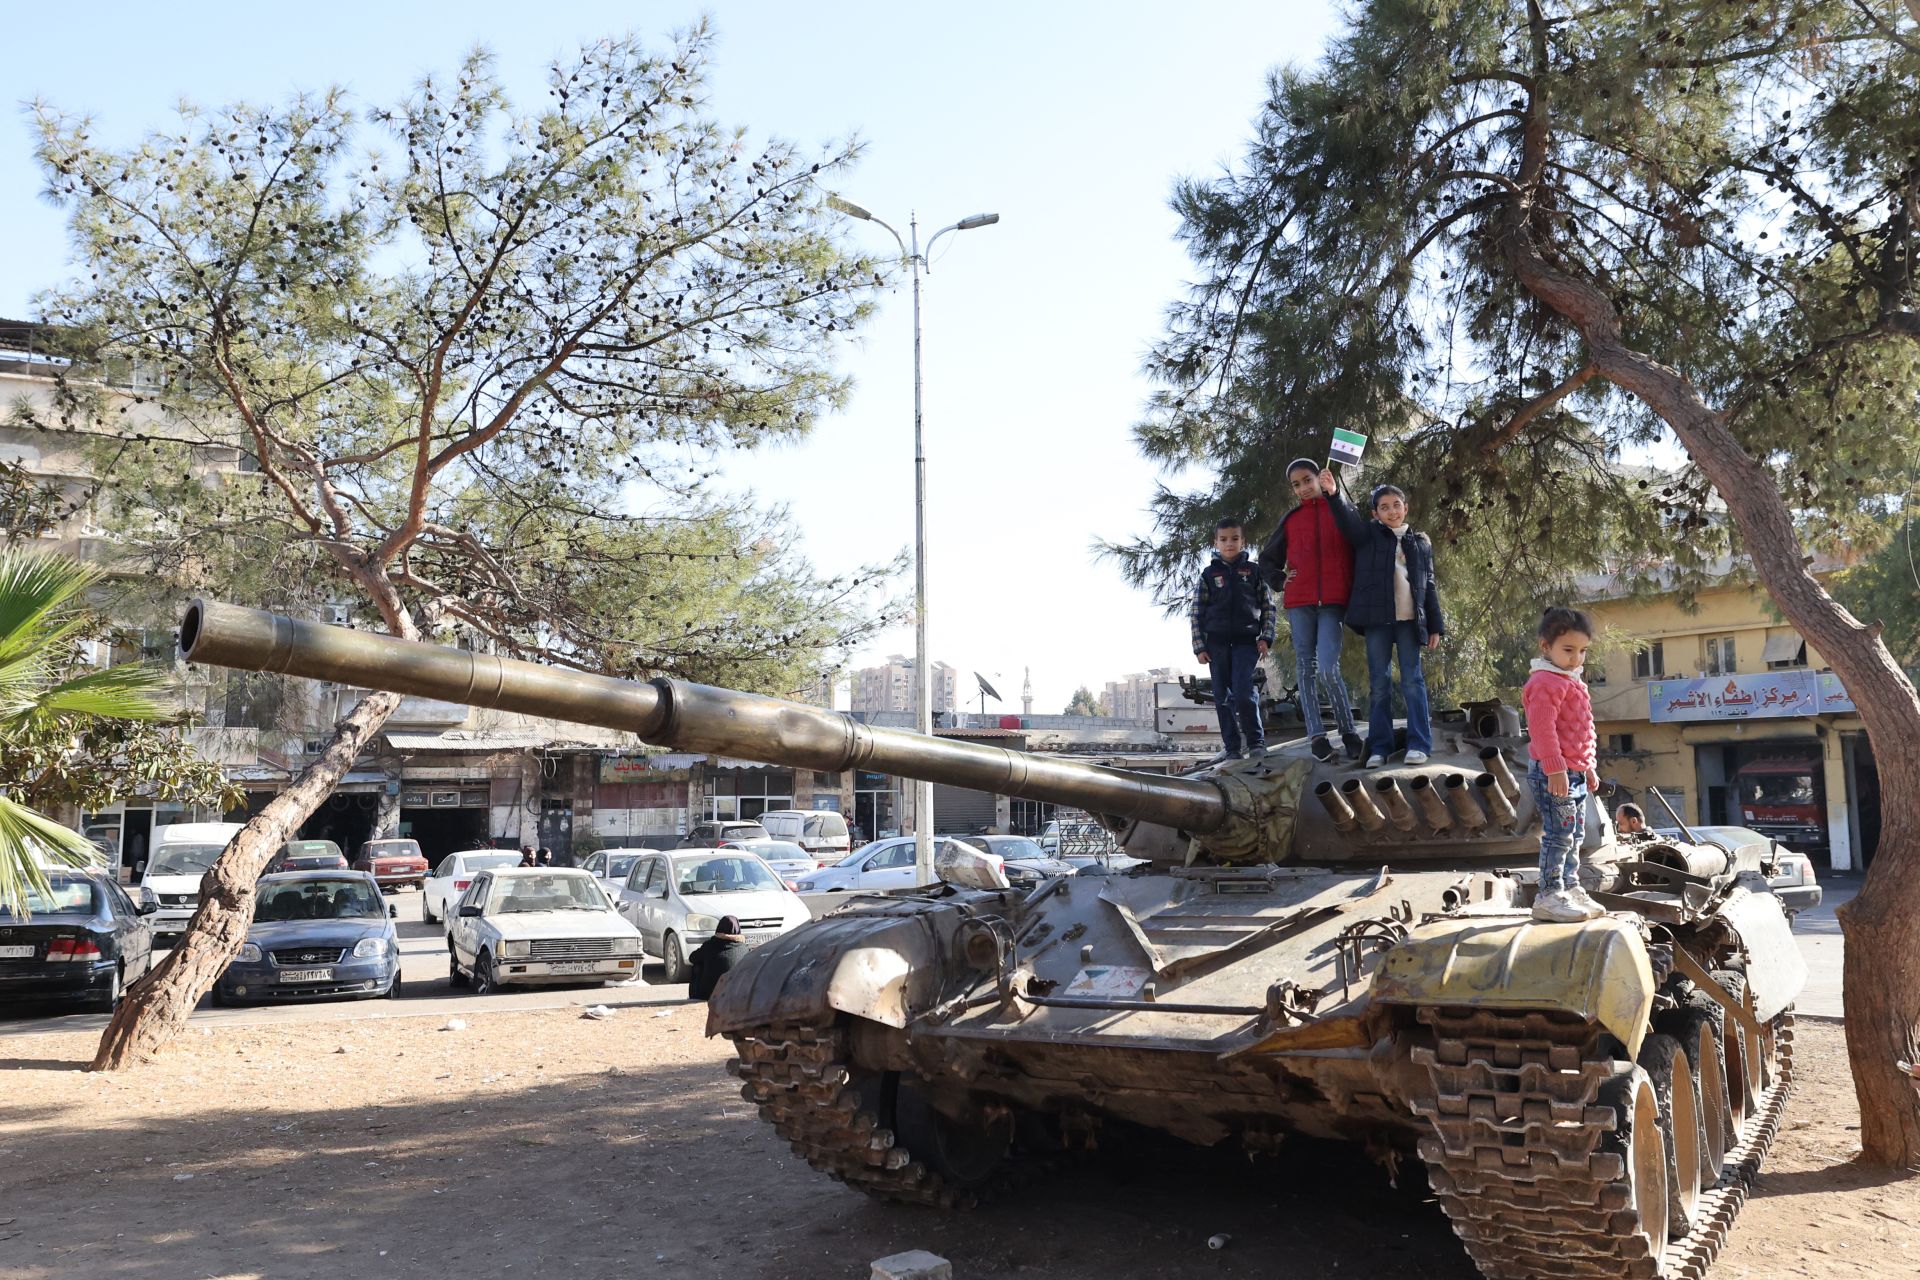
(1259, 749)
(1356, 745)
(1416, 757)
(1375, 760)
(1322, 748)
(1236, 755)
(1555, 907)
(1584, 900)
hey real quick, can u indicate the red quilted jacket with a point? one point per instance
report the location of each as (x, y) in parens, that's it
(1309, 543)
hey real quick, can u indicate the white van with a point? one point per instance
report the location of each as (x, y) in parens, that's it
(818, 831)
(181, 854)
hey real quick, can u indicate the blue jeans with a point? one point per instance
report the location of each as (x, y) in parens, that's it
(1382, 642)
(1318, 631)
(1234, 699)
(1563, 827)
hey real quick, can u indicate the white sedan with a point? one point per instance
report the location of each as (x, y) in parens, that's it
(789, 861)
(454, 875)
(884, 864)
(677, 899)
(610, 868)
(538, 925)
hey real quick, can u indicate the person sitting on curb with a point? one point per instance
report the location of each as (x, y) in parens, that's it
(714, 958)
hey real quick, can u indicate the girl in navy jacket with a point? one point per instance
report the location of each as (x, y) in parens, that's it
(1395, 604)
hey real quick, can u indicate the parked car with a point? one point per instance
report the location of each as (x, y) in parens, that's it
(455, 874)
(538, 925)
(307, 855)
(788, 860)
(884, 864)
(818, 831)
(1789, 872)
(182, 852)
(676, 900)
(610, 867)
(711, 835)
(1026, 863)
(81, 939)
(393, 863)
(315, 935)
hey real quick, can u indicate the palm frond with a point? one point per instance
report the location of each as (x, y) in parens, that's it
(38, 595)
(25, 838)
(119, 693)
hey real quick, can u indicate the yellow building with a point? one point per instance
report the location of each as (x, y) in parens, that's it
(1723, 709)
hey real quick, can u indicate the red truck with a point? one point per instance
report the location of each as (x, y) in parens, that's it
(1780, 797)
(393, 863)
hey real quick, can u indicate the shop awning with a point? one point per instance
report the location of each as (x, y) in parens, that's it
(1788, 647)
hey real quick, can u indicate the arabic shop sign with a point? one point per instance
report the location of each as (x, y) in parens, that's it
(1760, 695)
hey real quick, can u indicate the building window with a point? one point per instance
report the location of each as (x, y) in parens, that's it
(1650, 663)
(1720, 660)
(745, 794)
(1619, 744)
(1784, 651)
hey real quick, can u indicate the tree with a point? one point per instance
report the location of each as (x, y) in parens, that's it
(72, 734)
(1083, 703)
(1886, 589)
(1521, 239)
(471, 387)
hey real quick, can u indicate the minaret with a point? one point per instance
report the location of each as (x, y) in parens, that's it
(1026, 694)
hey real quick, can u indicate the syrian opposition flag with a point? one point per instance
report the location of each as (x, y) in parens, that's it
(1347, 447)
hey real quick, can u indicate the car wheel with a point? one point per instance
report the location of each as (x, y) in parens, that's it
(455, 978)
(485, 980)
(426, 908)
(676, 959)
(393, 988)
(108, 1000)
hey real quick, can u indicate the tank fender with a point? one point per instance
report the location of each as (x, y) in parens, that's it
(882, 965)
(1776, 971)
(1598, 970)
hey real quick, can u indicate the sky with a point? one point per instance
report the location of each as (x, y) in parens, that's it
(1069, 120)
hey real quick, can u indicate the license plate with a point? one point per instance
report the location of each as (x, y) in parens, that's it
(305, 975)
(17, 953)
(571, 966)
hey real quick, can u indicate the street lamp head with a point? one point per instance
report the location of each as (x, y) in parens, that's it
(977, 220)
(848, 207)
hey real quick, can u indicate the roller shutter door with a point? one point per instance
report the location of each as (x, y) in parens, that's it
(959, 809)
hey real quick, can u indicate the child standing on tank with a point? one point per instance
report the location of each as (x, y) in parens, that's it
(1561, 741)
(1311, 565)
(1395, 606)
(1232, 619)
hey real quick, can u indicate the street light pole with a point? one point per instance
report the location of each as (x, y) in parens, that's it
(922, 670)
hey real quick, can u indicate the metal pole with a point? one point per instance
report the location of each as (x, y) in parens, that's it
(922, 675)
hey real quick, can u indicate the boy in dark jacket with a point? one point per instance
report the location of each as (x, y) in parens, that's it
(1308, 561)
(1396, 606)
(1232, 619)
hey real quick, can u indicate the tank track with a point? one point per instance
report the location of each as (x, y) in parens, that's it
(805, 1087)
(1518, 1161)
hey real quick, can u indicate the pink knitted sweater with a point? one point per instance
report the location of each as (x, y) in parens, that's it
(1559, 718)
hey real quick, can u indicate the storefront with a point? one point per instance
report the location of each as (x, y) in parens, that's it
(743, 790)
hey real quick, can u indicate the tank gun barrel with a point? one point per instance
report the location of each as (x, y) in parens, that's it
(671, 713)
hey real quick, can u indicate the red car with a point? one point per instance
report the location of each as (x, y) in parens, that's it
(393, 863)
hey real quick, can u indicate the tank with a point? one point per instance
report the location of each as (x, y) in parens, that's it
(1307, 948)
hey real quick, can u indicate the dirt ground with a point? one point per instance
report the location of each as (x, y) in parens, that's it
(545, 1143)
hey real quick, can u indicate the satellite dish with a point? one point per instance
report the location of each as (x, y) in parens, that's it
(988, 689)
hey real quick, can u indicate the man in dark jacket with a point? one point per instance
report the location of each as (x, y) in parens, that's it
(712, 959)
(1232, 619)
(1396, 605)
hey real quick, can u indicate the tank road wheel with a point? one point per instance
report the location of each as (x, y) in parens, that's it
(1699, 1034)
(1666, 1064)
(1744, 1068)
(854, 1125)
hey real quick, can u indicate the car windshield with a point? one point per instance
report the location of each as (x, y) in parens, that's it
(827, 826)
(320, 900)
(619, 864)
(393, 848)
(184, 859)
(311, 849)
(488, 861)
(727, 873)
(778, 850)
(857, 856)
(62, 894)
(547, 893)
(314, 861)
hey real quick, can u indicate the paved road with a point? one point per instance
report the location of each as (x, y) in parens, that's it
(423, 992)
(1819, 935)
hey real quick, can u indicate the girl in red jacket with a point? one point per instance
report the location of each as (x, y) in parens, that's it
(1560, 738)
(1310, 563)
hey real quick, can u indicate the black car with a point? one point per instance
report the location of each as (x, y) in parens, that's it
(315, 935)
(82, 939)
(307, 855)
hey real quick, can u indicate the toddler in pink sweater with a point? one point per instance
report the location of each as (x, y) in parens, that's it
(1561, 742)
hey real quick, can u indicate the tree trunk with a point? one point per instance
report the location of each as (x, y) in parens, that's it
(1882, 925)
(154, 1008)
